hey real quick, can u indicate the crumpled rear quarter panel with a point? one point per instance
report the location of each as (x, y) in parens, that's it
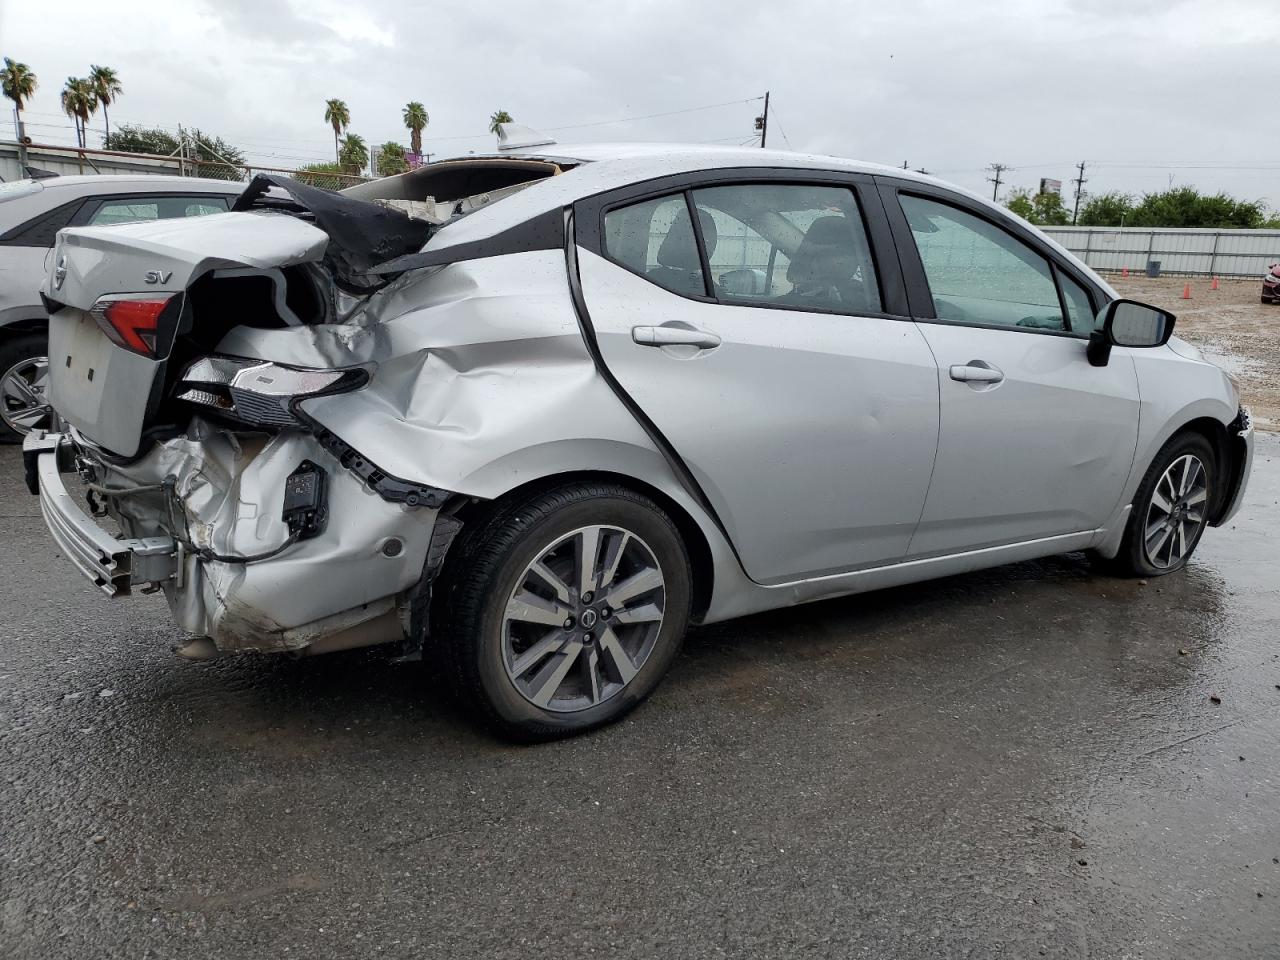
(481, 382)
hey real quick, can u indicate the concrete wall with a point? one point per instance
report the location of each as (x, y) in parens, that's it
(64, 162)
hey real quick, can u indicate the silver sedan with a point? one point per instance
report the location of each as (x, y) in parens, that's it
(534, 413)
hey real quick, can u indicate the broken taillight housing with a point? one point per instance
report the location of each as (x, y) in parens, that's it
(131, 320)
(260, 393)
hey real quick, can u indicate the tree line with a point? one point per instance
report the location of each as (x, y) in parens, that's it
(82, 97)
(1175, 207)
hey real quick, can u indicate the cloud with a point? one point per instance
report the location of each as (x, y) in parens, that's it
(1041, 84)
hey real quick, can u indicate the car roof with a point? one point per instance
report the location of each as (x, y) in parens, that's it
(600, 167)
(88, 184)
(713, 155)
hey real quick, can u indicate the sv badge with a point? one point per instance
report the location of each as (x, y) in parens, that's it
(155, 276)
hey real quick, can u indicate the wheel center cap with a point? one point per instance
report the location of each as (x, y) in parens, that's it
(588, 618)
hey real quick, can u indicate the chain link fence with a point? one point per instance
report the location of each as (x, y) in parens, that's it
(63, 160)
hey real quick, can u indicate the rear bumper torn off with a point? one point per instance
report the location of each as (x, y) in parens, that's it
(351, 585)
(113, 565)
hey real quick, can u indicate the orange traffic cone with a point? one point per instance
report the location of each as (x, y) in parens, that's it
(1124, 272)
(1215, 284)
(1186, 292)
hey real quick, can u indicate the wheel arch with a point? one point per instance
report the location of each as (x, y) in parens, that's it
(1227, 459)
(701, 561)
(18, 328)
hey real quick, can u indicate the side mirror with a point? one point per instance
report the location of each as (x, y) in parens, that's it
(1128, 323)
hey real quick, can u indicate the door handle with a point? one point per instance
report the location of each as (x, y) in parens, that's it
(975, 371)
(665, 336)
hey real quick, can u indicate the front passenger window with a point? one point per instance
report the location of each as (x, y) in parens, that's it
(978, 273)
(655, 239)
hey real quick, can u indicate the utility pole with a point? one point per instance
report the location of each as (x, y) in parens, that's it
(1079, 181)
(762, 121)
(998, 169)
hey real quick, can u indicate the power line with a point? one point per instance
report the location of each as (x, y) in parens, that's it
(479, 136)
(650, 116)
(778, 122)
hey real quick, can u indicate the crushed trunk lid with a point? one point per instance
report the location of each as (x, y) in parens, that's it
(108, 383)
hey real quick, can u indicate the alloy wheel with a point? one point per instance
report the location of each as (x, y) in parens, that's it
(24, 402)
(583, 618)
(1177, 512)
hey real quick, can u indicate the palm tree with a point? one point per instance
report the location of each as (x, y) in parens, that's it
(415, 118)
(80, 103)
(106, 85)
(19, 84)
(391, 159)
(337, 116)
(497, 117)
(353, 155)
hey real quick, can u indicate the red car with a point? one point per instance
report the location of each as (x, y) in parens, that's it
(1271, 285)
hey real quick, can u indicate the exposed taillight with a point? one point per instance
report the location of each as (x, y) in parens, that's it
(131, 320)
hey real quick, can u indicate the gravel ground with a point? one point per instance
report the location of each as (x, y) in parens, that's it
(1231, 325)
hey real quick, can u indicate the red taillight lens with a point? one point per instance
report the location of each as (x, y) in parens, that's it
(130, 321)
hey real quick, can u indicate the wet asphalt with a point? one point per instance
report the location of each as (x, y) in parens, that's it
(1019, 763)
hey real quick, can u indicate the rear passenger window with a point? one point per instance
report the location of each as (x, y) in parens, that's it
(766, 244)
(134, 209)
(655, 239)
(124, 211)
(780, 244)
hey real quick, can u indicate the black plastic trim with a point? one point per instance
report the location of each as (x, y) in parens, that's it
(389, 487)
(1237, 451)
(700, 242)
(678, 467)
(41, 231)
(543, 232)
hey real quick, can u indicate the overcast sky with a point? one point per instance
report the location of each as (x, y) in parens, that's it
(1144, 90)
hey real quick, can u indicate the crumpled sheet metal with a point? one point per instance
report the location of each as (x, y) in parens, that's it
(453, 373)
(232, 488)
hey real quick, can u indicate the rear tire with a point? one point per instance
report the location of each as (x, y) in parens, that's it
(1170, 510)
(537, 648)
(17, 355)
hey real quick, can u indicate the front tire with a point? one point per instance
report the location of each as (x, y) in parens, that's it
(1170, 509)
(561, 613)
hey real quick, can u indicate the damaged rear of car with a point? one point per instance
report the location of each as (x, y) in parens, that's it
(289, 413)
(204, 371)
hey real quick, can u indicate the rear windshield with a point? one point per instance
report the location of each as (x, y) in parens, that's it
(18, 188)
